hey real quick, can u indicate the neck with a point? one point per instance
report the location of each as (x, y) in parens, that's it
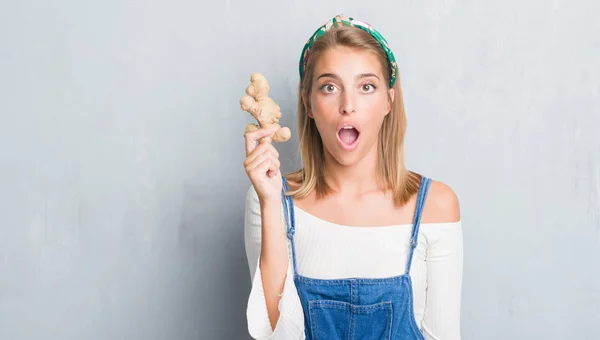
(355, 179)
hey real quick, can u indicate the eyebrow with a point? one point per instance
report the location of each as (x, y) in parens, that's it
(360, 76)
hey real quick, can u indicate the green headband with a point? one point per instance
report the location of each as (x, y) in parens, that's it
(346, 21)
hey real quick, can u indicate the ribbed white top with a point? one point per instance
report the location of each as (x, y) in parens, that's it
(326, 250)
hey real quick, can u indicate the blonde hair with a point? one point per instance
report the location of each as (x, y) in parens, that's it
(392, 172)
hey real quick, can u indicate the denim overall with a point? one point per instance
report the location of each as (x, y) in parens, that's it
(358, 308)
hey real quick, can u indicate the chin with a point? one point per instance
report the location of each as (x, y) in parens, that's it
(346, 158)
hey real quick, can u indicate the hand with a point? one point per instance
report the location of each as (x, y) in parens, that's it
(262, 164)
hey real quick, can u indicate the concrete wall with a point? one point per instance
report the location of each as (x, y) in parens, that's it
(121, 149)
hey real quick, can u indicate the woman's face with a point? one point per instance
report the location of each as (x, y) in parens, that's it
(348, 101)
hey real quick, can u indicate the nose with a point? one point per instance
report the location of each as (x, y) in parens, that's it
(347, 103)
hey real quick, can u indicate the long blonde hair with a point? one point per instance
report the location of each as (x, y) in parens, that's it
(392, 172)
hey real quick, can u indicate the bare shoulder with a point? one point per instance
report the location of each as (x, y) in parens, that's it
(441, 205)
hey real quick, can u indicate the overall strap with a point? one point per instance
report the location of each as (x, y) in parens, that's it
(421, 196)
(290, 220)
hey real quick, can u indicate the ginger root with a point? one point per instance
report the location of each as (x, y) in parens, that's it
(264, 109)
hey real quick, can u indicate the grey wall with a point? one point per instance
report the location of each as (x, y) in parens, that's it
(121, 149)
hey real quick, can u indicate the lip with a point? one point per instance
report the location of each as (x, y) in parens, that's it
(345, 146)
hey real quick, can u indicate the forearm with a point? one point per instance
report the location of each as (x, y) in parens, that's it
(273, 256)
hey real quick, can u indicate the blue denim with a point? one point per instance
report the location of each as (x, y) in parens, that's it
(358, 308)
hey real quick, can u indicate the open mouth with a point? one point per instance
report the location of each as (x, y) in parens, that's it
(348, 136)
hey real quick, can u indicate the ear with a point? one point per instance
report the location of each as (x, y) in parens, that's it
(306, 105)
(391, 96)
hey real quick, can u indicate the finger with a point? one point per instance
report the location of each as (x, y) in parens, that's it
(259, 160)
(271, 154)
(268, 167)
(272, 173)
(259, 150)
(270, 149)
(266, 139)
(254, 164)
(274, 151)
(252, 137)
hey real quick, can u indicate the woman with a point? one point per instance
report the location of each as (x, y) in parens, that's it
(353, 245)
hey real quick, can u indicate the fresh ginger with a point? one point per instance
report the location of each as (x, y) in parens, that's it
(264, 109)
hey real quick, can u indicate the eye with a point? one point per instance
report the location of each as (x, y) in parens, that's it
(368, 88)
(328, 88)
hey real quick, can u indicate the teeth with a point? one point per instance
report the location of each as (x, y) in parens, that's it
(348, 127)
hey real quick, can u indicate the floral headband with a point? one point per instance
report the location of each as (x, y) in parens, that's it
(347, 21)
